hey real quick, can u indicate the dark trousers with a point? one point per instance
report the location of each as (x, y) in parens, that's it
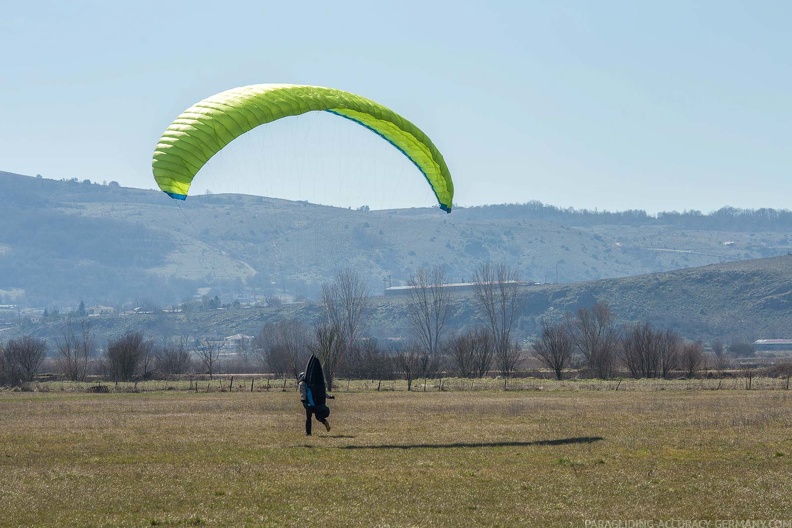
(309, 412)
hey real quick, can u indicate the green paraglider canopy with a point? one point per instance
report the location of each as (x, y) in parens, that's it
(205, 128)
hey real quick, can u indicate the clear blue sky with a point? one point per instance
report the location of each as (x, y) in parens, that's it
(613, 105)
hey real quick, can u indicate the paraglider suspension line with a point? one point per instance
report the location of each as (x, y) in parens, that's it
(186, 217)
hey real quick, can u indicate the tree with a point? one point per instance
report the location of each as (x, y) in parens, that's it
(718, 347)
(639, 351)
(740, 349)
(208, 354)
(210, 303)
(283, 347)
(499, 300)
(670, 344)
(554, 347)
(596, 338)
(22, 358)
(366, 360)
(125, 356)
(172, 359)
(692, 358)
(471, 352)
(427, 307)
(650, 353)
(345, 300)
(75, 350)
(483, 351)
(329, 347)
(463, 354)
(409, 360)
(508, 359)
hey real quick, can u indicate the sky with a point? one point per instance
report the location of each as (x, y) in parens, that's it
(609, 105)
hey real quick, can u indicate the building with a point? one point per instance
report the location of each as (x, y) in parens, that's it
(773, 345)
(453, 287)
(237, 341)
(97, 310)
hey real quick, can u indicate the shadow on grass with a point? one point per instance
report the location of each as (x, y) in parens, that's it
(558, 441)
(327, 436)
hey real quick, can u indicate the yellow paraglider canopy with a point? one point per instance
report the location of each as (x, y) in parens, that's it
(205, 128)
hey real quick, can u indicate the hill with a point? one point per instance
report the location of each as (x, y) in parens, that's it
(66, 241)
(733, 302)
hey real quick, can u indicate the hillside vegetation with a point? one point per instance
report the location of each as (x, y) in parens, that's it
(62, 242)
(66, 241)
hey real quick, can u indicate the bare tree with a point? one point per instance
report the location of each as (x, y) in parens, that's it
(649, 353)
(172, 359)
(409, 361)
(23, 357)
(596, 338)
(75, 350)
(508, 359)
(742, 349)
(427, 307)
(483, 352)
(208, 355)
(345, 300)
(463, 354)
(356, 363)
(124, 356)
(283, 347)
(718, 348)
(367, 360)
(471, 352)
(500, 300)
(554, 347)
(670, 344)
(242, 362)
(329, 347)
(639, 351)
(279, 360)
(692, 358)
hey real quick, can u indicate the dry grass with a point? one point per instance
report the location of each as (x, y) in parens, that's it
(265, 383)
(394, 459)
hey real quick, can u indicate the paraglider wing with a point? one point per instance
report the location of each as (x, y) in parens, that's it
(209, 125)
(314, 378)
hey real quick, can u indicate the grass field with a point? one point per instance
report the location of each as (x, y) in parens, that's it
(395, 458)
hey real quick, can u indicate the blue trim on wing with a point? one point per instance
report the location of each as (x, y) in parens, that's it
(176, 196)
(444, 207)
